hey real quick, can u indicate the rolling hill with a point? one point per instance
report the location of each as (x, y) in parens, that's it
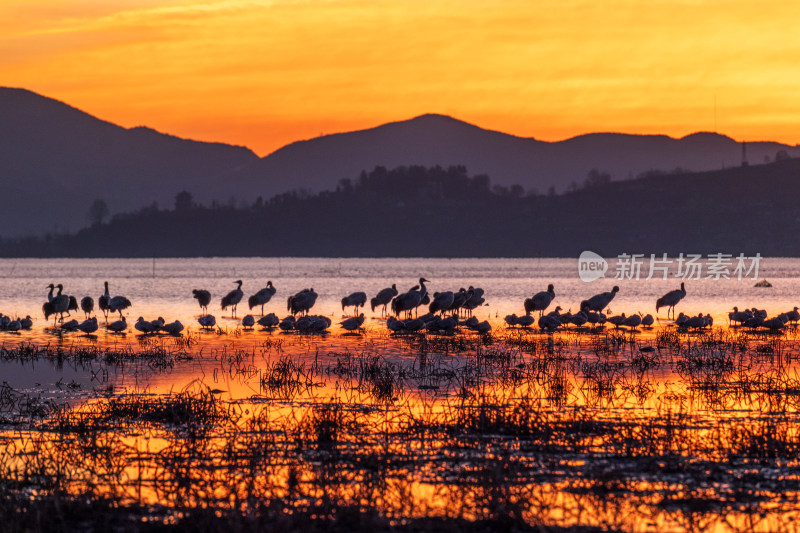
(55, 160)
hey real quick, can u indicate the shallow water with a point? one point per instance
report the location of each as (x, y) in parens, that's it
(568, 378)
(163, 286)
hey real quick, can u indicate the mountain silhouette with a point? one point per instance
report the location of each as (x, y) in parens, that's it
(431, 139)
(445, 212)
(55, 160)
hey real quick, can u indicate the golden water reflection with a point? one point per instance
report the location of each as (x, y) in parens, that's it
(633, 432)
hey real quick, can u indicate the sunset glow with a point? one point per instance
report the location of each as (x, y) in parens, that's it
(263, 74)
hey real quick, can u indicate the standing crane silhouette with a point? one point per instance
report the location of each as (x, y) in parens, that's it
(540, 301)
(671, 299)
(233, 298)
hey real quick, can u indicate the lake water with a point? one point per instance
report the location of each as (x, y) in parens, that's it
(706, 394)
(164, 286)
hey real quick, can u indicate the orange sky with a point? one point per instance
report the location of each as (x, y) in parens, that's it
(265, 73)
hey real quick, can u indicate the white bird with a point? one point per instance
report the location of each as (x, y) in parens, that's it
(671, 299)
(233, 298)
(262, 297)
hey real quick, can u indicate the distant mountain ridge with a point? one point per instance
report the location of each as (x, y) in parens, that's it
(55, 160)
(442, 140)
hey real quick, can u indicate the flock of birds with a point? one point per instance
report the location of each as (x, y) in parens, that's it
(446, 312)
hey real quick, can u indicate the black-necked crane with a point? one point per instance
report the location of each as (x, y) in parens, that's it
(115, 304)
(118, 327)
(203, 298)
(87, 306)
(173, 328)
(384, 298)
(145, 326)
(88, 326)
(540, 301)
(599, 302)
(302, 302)
(671, 299)
(207, 321)
(262, 297)
(60, 302)
(408, 301)
(269, 321)
(354, 300)
(442, 301)
(353, 323)
(475, 300)
(233, 298)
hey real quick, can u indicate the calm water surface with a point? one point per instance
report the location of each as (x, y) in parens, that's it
(232, 361)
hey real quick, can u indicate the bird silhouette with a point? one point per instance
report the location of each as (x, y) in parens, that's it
(599, 302)
(118, 326)
(233, 298)
(442, 301)
(115, 304)
(353, 323)
(302, 302)
(408, 301)
(540, 301)
(207, 321)
(671, 299)
(262, 297)
(354, 300)
(383, 298)
(203, 298)
(87, 305)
